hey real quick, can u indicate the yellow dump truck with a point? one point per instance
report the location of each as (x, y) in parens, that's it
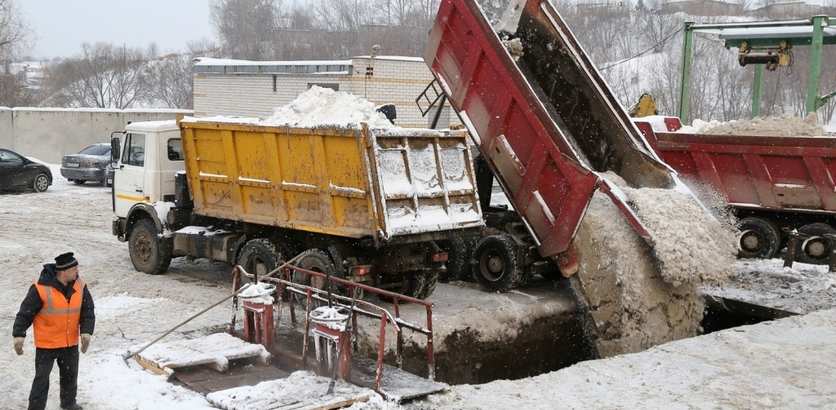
(371, 205)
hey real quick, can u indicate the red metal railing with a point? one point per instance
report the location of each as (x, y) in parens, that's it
(355, 304)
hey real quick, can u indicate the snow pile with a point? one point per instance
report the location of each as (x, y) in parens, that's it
(691, 245)
(261, 293)
(323, 107)
(800, 289)
(215, 349)
(632, 306)
(301, 390)
(787, 126)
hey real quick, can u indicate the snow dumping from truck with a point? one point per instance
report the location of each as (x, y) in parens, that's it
(551, 136)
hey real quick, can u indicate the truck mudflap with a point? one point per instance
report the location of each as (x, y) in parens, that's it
(546, 121)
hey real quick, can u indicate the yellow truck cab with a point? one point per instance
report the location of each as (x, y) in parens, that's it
(376, 206)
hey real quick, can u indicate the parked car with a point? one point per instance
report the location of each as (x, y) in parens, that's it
(90, 164)
(18, 172)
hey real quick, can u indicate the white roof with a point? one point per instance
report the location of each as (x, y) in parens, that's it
(209, 62)
(152, 126)
(393, 58)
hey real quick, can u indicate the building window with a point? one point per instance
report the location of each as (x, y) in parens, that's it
(333, 86)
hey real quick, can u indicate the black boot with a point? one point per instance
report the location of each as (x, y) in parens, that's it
(73, 406)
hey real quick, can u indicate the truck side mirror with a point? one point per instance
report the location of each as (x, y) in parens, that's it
(115, 145)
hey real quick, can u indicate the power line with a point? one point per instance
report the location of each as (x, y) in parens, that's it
(651, 48)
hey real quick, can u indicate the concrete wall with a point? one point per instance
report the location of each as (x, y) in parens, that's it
(50, 133)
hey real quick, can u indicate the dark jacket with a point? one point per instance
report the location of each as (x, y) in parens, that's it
(32, 304)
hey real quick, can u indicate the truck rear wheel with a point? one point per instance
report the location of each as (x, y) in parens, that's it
(420, 285)
(259, 256)
(759, 238)
(817, 247)
(149, 253)
(497, 263)
(316, 260)
(459, 248)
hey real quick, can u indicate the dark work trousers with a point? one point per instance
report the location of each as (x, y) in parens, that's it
(68, 371)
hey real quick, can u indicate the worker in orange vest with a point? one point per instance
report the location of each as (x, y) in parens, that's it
(60, 309)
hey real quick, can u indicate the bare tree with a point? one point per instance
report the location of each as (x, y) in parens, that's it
(103, 76)
(14, 38)
(246, 28)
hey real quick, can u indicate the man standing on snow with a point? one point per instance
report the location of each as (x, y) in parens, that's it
(59, 307)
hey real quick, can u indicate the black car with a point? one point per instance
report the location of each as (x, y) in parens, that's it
(18, 172)
(90, 164)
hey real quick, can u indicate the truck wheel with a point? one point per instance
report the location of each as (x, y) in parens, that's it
(817, 248)
(759, 238)
(497, 263)
(430, 282)
(458, 249)
(149, 253)
(259, 256)
(316, 260)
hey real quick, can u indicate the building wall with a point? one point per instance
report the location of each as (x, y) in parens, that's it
(50, 133)
(394, 81)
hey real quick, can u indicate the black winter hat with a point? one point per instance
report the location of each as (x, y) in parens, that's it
(65, 261)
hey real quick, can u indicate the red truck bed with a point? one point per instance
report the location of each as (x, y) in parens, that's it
(787, 174)
(545, 123)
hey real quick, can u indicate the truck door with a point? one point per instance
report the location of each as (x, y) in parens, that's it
(129, 183)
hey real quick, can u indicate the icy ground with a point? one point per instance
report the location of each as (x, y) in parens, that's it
(778, 364)
(132, 307)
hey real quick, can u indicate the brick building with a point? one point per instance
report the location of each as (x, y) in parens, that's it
(254, 88)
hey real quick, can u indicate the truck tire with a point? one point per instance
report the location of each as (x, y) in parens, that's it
(316, 260)
(497, 263)
(759, 238)
(259, 256)
(149, 253)
(419, 285)
(817, 248)
(459, 249)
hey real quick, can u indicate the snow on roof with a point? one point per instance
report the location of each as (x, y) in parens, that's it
(210, 62)
(392, 58)
(152, 126)
(106, 110)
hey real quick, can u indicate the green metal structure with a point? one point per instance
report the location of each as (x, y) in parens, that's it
(768, 35)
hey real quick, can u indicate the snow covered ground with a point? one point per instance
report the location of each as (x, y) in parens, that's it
(132, 307)
(785, 363)
(782, 364)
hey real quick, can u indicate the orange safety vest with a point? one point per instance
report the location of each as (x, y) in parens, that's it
(57, 324)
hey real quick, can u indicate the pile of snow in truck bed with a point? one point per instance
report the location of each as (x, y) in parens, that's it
(786, 126)
(323, 106)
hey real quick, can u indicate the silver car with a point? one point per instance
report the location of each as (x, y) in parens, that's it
(90, 164)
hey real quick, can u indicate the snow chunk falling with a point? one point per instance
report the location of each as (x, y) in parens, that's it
(323, 107)
(690, 244)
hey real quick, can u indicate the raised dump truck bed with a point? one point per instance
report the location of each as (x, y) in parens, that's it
(545, 121)
(353, 183)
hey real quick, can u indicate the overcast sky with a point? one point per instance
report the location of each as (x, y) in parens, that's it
(60, 26)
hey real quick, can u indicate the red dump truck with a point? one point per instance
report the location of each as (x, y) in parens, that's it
(774, 185)
(545, 122)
